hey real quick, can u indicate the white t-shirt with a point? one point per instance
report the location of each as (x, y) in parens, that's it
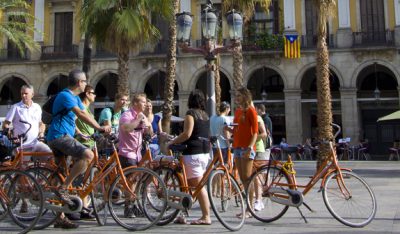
(32, 115)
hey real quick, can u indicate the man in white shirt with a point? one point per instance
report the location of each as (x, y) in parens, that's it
(27, 111)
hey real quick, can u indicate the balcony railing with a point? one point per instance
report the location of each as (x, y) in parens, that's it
(103, 53)
(373, 38)
(310, 41)
(59, 52)
(12, 55)
(160, 48)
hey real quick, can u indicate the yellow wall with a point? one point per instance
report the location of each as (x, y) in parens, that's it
(77, 25)
(1, 36)
(353, 15)
(195, 26)
(335, 20)
(298, 9)
(46, 28)
(391, 15)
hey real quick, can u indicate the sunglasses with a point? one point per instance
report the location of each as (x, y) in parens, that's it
(92, 93)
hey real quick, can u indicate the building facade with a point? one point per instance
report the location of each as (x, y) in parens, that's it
(363, 37)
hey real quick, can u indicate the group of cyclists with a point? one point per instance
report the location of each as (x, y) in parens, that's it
(73, 124)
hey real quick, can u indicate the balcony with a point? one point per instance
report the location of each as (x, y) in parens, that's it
(12, 55)
(160, 48)
(101, 52)
(59, 52)
(373, 38)
(310, 41)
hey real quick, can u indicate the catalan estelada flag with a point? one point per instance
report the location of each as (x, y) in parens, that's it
(292, 46)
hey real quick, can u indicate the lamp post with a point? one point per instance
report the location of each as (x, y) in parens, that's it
(209, 25)
(377, 93)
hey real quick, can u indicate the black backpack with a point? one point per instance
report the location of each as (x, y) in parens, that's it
(47, 111)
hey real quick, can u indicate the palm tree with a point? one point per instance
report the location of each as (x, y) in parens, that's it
(168, 107)
(247, 9)
(122, 26)
(325, 9)
(19, 29)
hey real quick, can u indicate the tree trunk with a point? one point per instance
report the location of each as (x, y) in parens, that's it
(123, 72)
(87, 55)
(324, 110)
(167, 107)
(217, 84)
(237, 65)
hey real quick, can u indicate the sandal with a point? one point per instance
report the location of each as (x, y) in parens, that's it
(247, 215)
(180, 220)
(200, 222)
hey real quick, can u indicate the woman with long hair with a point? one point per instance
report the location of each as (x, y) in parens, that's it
(244, 135)
(197, 154)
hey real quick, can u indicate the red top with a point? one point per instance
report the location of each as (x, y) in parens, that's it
(246, 128)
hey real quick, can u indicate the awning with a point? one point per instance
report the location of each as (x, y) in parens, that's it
(392, 116)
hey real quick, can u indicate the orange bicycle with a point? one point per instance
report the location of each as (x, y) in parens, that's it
(347, 196)
(16, 186)
(112, 187)
(228, 205)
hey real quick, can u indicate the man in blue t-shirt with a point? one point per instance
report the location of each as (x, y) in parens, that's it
(61, 132)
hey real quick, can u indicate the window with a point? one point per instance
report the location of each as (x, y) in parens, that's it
(372, 21)
(63, 32)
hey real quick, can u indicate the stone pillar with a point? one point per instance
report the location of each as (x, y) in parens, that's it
(289, 15)
(183, 102)
(350, 121)
(397, 21)
(344, 33)
(293, 116)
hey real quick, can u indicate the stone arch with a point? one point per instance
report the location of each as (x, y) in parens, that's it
(254, 68)
(10, 89)
(95, 79)
(370, 62)
(148, 74)
(51, 76)
(305, 68)
(106, 85)
(155, 83)
(266, 80)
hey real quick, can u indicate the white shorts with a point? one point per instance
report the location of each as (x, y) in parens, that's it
(195, 165)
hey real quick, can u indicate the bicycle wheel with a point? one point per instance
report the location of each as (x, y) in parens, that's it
(25, 204)
(356, 208)
(267, 210)
(3, 210)
(3, 207)
(46, 178)
(99, 203)
(228, 204)
(127, 209)
(171, 181)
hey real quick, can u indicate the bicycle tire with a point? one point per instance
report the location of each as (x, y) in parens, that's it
(141, 178)
(98, 198)
(3, 207)
(228, 207)
(46, 177)
(360, 205)
(172, 182)
(24, 188)
(272, 210)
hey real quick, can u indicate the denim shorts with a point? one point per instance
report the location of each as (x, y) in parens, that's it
(240, 153)
(66, 145)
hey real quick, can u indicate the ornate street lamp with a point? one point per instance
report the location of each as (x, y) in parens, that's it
(209, 50)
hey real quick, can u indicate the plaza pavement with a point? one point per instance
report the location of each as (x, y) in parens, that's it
(382, 176)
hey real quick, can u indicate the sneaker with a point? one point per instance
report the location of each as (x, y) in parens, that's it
(258, 205)
(128, 212)
(24, 207)
(65, 223)
(87, 216)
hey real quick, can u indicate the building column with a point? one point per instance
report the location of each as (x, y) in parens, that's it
(344, 32)
(183, 102)
(39, 26)
(350, 121)
(293, 116)
(289, 15)
(397, 21)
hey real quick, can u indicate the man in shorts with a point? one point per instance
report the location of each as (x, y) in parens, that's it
(61, 132)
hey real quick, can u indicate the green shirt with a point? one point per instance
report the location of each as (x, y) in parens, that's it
(85, 129)
(260, 143)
